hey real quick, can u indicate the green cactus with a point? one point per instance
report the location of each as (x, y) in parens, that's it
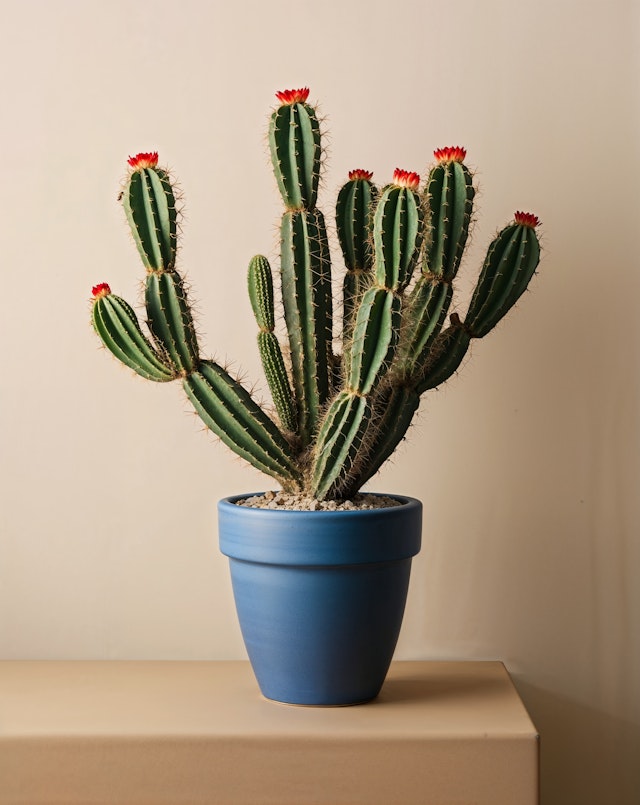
(338, 417)
(261, 298)
(354, 222)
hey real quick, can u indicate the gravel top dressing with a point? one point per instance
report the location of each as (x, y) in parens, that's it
(284, 500)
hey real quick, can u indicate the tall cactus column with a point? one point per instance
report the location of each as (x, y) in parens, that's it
(449, 198)
(398, 231)
(449, 202)
(354, 222)
(294, 137)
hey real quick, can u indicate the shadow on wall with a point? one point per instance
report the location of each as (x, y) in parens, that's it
(587, 757)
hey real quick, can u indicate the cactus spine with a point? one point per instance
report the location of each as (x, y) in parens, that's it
(339, 418)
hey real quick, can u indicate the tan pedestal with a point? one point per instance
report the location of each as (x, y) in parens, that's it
(440, 733)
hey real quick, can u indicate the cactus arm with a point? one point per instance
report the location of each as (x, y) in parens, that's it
(169, 318)
(340, 441)
(260, 283)
(294, 140)
(117, 326)
(276, 374)
(150, 207)
(228, 409)
(354, 224)
(423, 319)
(398, 227)
(394, 409)
(450, 195)
(307, 300)
(509, 266)
(446, 355)
(374, 338)
(398, 230)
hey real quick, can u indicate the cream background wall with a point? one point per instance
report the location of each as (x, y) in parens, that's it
(528, 462)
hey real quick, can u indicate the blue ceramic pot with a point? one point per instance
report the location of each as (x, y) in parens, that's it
(320, 595)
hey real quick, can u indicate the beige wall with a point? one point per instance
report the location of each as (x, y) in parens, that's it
(528, 462)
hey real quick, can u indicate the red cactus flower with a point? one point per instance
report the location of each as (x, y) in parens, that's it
(358, 173)
(100, 290)
(527, 219)
(144, 160)
(291, 96)
(406, 179)
(452, 153)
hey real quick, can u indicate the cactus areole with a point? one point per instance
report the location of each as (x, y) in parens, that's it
(337, 413)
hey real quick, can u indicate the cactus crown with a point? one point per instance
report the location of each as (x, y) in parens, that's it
(406, 179)
(102, 289)
(337, 417)
(145, 160)
(452, 153)
(289, 96)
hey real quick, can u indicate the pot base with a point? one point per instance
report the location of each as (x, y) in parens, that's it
(319, 706)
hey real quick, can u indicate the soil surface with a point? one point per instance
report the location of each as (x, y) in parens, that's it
(284, 500)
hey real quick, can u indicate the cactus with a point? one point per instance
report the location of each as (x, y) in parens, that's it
(338, 417)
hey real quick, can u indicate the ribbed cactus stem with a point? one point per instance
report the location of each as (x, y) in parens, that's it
(119, 330)
(294, 139)
(307, 301)
(150, 206)
(340, 442)
(374, 338)
(450, 195)
(447, 353)
(393, 410)
(260, 283)
(511, 262)
(397, 235)
(230, 412)
(169, 318)
(423, 318)
(398, 231)
(354, 223)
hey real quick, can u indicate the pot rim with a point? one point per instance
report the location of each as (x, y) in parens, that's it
(320, 538)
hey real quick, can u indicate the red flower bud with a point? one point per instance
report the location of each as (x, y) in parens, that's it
(406, 179)
(452, 153)
(358, 173)
(291, 96)
(144, 160)
(527, 219)
(100, 290)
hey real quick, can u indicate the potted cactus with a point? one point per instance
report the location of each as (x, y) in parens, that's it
(321, 594)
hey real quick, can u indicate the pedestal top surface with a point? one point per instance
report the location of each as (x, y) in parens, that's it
(420, 700)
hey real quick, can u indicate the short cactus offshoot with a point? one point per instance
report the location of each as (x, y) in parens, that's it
(337, 417)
